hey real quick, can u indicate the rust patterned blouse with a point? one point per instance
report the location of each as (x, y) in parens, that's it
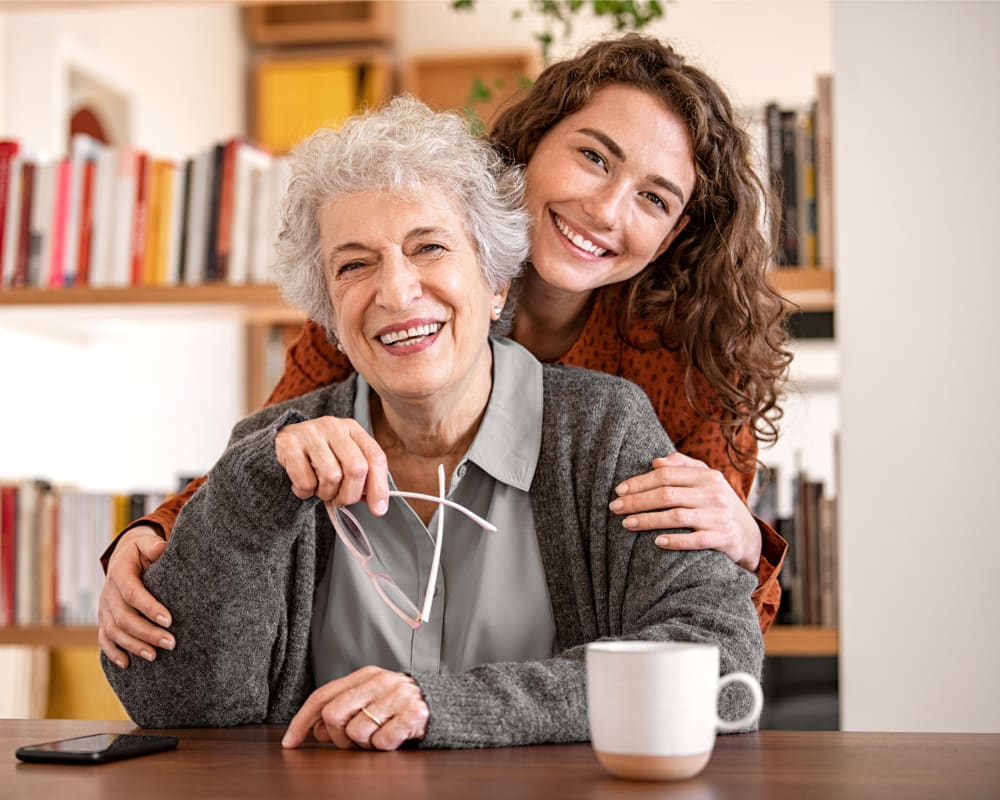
(312, 361)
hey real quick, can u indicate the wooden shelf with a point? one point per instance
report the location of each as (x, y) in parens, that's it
(251, 295)
(801, 640)
(50, 636)
(810, 288)
(781, 640)
(294, 23)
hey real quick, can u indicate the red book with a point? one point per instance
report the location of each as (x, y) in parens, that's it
(224, 240)
(8, 536)
(86, 224)
(60, 222)
(139, 213)
(8, 149)
(24, 228)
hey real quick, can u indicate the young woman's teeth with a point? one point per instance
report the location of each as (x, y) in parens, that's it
(418, 332)
(578, 240)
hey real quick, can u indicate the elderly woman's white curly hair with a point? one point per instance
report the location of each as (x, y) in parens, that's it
(403, 147)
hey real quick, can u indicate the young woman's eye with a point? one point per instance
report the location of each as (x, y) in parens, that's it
(593, 156)
(656, 200)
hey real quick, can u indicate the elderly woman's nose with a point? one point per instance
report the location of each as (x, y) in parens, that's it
(399, 282)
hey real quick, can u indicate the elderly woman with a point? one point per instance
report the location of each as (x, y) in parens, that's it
(401, 235)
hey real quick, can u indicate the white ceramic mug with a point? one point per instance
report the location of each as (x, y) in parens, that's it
(653, 706)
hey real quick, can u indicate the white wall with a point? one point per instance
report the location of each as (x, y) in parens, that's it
(761, 50)
(181, 66)
(917, 208)
(118, 398)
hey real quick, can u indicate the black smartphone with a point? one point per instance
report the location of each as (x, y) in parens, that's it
(98, 748)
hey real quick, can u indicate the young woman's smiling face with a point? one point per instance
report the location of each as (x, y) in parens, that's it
(607, 187)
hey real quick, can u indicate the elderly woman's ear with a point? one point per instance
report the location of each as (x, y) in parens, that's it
(499, 301)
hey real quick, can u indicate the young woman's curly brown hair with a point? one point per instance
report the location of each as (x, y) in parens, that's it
(707, 295)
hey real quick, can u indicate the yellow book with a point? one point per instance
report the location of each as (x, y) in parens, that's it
(164, 210)
(296, 97)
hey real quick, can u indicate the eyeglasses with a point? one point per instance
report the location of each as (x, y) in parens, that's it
(353, 536)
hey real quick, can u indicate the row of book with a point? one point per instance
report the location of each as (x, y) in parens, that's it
(809, 577)
(51, 541)
(795, 156)
(106, 216)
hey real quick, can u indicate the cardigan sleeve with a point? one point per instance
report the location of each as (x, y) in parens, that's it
(602, 584)
(231, 575)
(311, 362)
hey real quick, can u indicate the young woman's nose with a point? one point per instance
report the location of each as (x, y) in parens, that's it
(399, 282)
(606, 206)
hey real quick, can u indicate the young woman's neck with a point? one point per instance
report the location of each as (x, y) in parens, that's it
(548, 320)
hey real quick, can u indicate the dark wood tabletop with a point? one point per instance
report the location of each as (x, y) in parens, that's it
(250, 763)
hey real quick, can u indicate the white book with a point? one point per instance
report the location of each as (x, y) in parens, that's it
(102, 216)
(123, 213)
(281, 172)
(250, 162)
(26, 555)
(261, 229)
(175, 225)
(42, 206)
(197, 217)
(24, 681)
(11, 223)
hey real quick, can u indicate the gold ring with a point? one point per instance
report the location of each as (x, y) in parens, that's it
(371, 716)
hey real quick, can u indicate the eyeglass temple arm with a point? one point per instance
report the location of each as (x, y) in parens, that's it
(485, 524)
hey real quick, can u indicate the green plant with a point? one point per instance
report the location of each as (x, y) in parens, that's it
(560, 14)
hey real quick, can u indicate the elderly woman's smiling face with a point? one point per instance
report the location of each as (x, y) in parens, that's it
(412, 308)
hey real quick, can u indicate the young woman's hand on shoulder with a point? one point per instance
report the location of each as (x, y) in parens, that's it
(682, 492)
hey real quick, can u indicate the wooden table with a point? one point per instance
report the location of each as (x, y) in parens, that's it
(249, 763)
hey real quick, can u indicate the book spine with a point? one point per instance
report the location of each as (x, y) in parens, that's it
(23, 252)
(224, 224)
(12, 224)
(8, 550)
(775, 171)
(8, 162)
(789, 168)
(60, 221)
(214, 198)
(824, 172)
(139, 214)
(83, 250)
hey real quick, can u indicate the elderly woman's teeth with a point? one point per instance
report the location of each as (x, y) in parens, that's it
(418, 332)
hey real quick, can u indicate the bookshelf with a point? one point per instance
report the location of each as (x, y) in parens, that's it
(809, 288)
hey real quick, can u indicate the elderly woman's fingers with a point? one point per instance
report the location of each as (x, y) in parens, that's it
(370, 708)
(335, 460)
(126, 608)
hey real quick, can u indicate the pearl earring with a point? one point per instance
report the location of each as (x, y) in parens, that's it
(497, 310)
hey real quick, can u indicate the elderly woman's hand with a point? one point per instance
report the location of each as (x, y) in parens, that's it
(682, 492)
(335, 460)
(372, 708)
(126, 608)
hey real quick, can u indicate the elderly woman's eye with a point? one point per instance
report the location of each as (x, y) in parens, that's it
(430, 249)
(349, 266)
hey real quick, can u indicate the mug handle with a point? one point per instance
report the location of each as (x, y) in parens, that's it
(758, 701)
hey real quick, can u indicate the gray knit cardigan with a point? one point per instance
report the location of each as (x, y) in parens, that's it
(241, 568)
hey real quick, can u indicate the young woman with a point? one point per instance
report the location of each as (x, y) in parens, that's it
(647, 262)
